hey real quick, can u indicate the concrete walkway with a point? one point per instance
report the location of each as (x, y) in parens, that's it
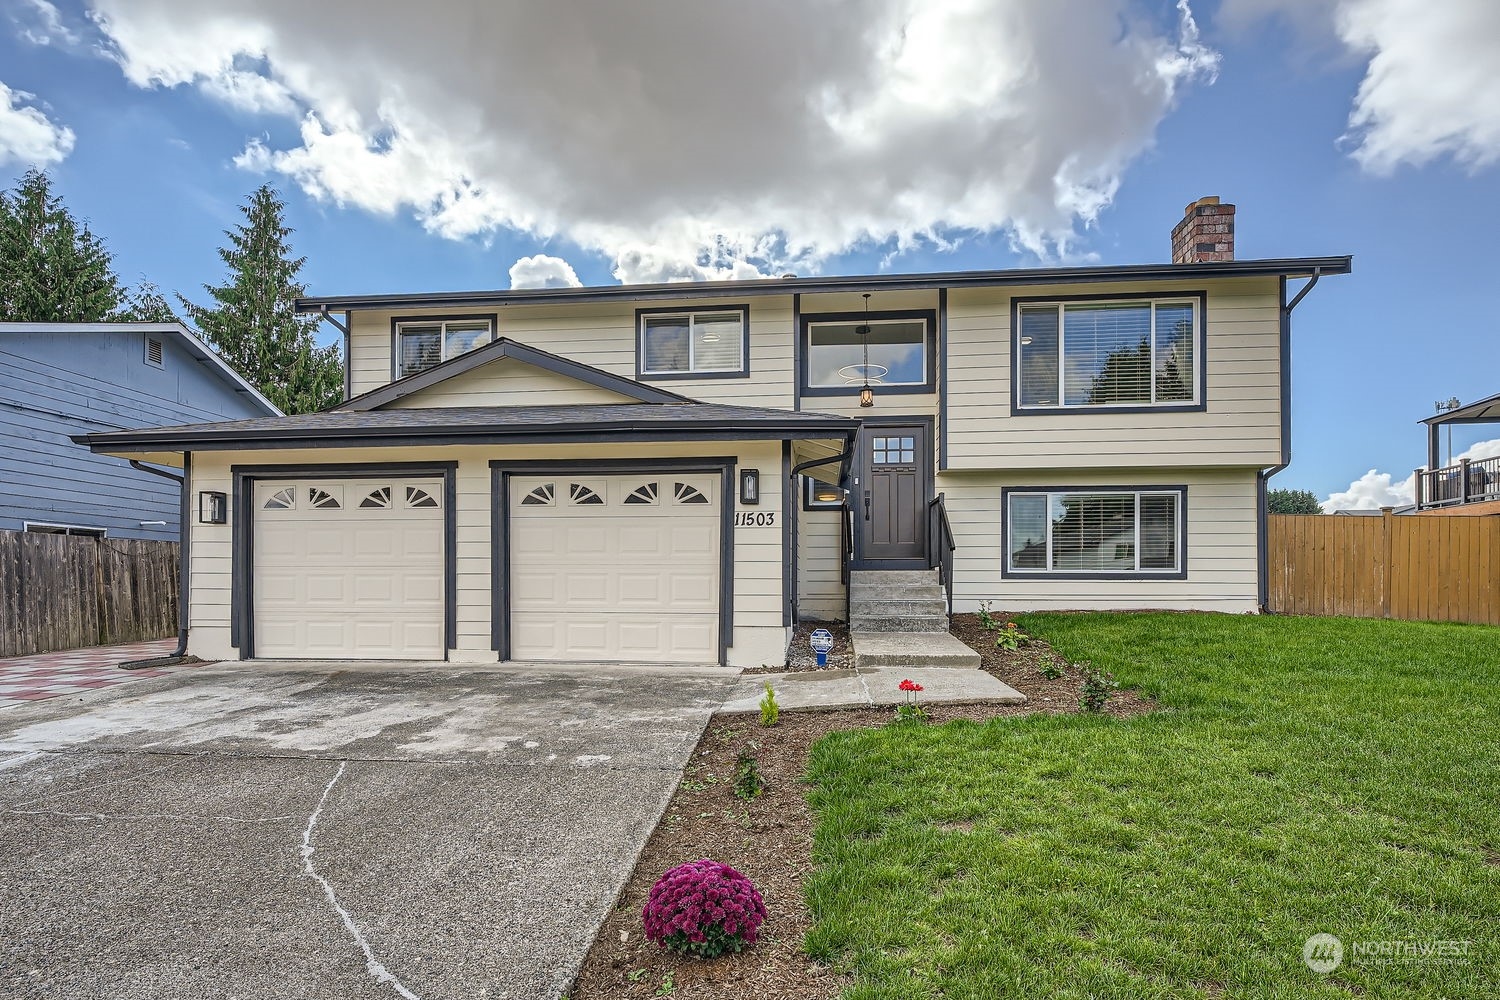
(867, 687)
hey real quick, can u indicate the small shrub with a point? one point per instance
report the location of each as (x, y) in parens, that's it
(748, 783)
(911, 709)
(770, 712)
(1098, 687)
(987, 620)
(1051, 667)
(1011, 637)
(703, 908)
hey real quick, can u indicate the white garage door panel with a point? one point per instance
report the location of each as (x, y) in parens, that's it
(349, 569)
(616, 568)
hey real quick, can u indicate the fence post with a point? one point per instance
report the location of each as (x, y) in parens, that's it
(1387, 522)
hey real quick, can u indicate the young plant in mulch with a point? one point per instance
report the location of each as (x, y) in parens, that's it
(1011, 637)
(1051, 667)
(703, 908)
(748, 781)
(911, 709)
(770, 711)
(986, 620)
(1098, 687)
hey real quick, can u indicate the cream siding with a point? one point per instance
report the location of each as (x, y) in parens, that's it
(820, 588)
(508, 382)
(760, 635)
(1241, 426)
(1221, 544)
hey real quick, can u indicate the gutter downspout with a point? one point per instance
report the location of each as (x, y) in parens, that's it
(184, 510)
(1263, 583)
(343, 328)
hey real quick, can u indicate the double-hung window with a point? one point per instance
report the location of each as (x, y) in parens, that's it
(707, 343)
(1132, 352)
(1091, 532)
(420, 344)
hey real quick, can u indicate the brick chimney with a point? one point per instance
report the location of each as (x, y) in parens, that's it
(1206, 233)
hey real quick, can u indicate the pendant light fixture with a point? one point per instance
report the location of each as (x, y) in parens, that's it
(866, 394)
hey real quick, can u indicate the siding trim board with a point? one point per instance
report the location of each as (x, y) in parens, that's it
(942, 374)
(1200, 347)
(744, 370)
(1006, 573)
(502, 469)
(929, 350)
(242, 535)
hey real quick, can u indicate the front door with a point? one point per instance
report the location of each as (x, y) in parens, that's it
(892, 493)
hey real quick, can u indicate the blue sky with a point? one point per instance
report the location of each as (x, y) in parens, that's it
(1130, 112)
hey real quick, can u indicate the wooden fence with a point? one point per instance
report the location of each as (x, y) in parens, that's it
(67, 591)
(1420, 568)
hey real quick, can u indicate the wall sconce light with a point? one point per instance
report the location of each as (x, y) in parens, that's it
(749, 486)
(213, 507)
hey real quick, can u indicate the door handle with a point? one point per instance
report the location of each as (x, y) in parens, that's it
(867, 505)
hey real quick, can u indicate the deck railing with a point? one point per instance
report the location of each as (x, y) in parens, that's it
(1470, 481)
(940, 545)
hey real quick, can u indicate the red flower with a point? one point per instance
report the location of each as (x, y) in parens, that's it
(909, 685)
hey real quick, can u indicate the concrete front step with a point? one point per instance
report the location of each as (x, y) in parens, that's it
(895, 591)
(863, 607)
(892, 577)
(901, 623)
(910, 649)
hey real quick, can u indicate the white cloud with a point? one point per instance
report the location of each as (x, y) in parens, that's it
(41, 23)
(685, 139)
(1430, 88)
(542, 271)
(28, 136)
(1375, 489)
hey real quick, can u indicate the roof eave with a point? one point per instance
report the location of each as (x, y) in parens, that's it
(1291, 267)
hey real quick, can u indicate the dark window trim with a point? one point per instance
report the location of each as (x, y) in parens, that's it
(1201, 346)
(396, 321)
(927, 422)
(501, 471)
(810, 505)
(743, 308)
(242, 546)
(942, 374)
(929, 346)
(1181, 573)
(54, 528)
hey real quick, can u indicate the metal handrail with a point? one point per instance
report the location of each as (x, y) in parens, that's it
(941, 544)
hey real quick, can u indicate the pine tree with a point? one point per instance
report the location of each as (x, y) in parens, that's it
(252, 324)
(52, 268)
(147, 304)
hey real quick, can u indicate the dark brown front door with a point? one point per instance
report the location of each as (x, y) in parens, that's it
(891, 516)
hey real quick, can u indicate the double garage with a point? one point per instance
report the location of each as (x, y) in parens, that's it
(609, 567)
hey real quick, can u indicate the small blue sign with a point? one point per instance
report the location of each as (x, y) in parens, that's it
(822, 641)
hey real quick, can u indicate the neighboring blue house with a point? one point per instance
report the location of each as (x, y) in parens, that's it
(62, 379)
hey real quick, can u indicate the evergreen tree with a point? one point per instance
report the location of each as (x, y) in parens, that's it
(252, 324)
(147, 304)
(52, 268)
(1293, 502)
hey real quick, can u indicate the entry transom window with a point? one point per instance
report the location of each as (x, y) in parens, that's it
(897, 352)
(422, 344)
(1111, 532)
(707, 342)
(1139, 352)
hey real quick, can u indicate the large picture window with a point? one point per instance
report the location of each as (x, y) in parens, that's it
(1088, 532)
(421, 344)
(706, 343)
(900, 352)
(1137, 352)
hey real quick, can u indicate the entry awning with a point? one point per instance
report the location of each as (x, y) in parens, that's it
(469, 425)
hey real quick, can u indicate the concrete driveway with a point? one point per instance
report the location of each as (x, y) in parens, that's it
(264, 830)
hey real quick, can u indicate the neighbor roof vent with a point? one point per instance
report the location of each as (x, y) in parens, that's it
(153, 352)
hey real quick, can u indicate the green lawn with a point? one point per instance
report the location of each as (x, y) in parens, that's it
(1307, 775)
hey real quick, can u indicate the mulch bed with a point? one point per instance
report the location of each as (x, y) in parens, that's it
(770, 839)
(799, 655)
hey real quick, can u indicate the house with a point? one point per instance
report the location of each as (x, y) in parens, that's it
(64, 379)
(679, 472)
(1468, 487)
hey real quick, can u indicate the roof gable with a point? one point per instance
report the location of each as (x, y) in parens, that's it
(504, 349)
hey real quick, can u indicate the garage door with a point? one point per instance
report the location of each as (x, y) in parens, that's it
(615, 568)
(349, 569)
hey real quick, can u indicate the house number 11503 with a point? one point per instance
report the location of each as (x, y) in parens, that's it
(755, 519)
